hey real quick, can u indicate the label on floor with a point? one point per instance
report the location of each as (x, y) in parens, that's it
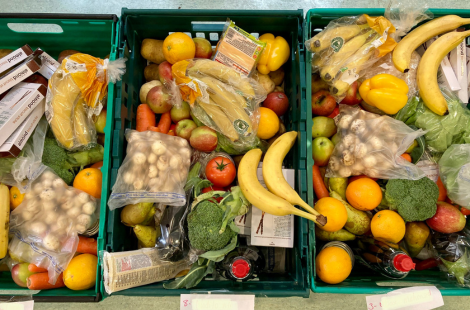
(24, 305)
(216, 302)
(426, 297)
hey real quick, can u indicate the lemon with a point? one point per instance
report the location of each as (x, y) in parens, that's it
(81, 272)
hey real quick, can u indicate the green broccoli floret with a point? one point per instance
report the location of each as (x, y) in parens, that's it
(414, 200)
(204, 224)
(64, 163)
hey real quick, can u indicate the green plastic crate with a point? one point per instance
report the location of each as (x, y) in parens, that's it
(137, 25)
(92, 34)
(362, 280)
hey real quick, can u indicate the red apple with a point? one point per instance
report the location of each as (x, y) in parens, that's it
(100, 122)
(183, 112)
(164, 72)
(36, 78)
(323, 103)
(20, 274)
(334, 113)
(352, 95)
(448, 219)
(203, 48)
(159, 100)
(184, 128)
(278, 102)
(203, 139)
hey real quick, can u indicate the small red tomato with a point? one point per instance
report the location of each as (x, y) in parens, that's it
(221, 171)
(214, 188)
(97, 165)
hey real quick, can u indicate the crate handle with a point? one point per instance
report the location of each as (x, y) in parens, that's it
(207, 26)
(35, 28)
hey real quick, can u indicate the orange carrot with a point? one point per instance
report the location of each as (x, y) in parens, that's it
(318, 184)
(145, 117)
(442, 190)
(406, 157)
(87, 245)
(34, 268)
(165, 122)
(153, 128)
(40, 281)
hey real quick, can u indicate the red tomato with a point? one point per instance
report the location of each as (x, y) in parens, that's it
(220, 171)
(214, 188)
(97, 165)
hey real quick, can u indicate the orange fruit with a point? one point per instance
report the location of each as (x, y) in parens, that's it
(335, 212)
(268, 123)
(178, 46)
(89, 181)
(16, 197)
(333, 265)
(80, 274)
(388, 225)
(364, 194)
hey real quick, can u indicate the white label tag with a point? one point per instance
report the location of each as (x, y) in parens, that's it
(427, 297)
(24, 305)
(349, 76)
(73, 66)
(217, 302)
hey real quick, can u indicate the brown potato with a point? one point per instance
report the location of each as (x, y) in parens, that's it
(151, 72)
(279, 89)
(4, 52)
(266, 82)
(66, 53)
(318, 84)
(277, 76)
(146, 88)
(152, 50)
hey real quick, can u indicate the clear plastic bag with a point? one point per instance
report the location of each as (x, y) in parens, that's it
(221, 98)
(22, 171)
(405, 14)
(75, 93)
(154, 170)
(372, 145)
(46, 224)
(454, 169)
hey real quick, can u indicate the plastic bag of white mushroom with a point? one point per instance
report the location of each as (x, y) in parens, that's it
(371, 145)
(154, 170)
(47, 223)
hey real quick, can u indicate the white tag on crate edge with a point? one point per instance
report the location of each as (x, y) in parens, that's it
(216, 302)
(23, 305)
(426, 297)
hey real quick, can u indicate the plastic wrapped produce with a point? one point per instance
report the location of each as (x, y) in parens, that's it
(154, 170)
(371, 144)
(46, 224)
(454, 169)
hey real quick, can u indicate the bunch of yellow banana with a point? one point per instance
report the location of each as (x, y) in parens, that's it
(281, 197)
(69, 121)
(230, 96)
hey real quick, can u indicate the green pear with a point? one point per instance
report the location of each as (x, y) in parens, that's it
(132, 215)
(340, 235)
(149, 219)
(339, 186)
(358, 222)
(147, 235)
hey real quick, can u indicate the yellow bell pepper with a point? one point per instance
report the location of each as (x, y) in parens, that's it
(385, 92)
(275, 54)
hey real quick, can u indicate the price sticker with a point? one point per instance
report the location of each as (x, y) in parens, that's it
(426, 297)
(216, 302)
(24, 305)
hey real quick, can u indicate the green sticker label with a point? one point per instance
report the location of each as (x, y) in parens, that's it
(240, 126)
(337, 44)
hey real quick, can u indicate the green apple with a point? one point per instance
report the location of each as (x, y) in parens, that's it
(323, 127)
(20, 274)
(181, 113)
(411, 148)
(322, 148)
(101, 122)
(335, 139)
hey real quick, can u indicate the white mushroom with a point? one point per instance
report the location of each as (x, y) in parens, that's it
(80, 228)
(47, 175)
(153, 171)
(29, 195)
(185, 152)
(84, 219)
(38, 188)
(51, 242)
(155, 184)
(152, 158)
(375, 143)
(26, 215)
(37, 228)
(348, 158)
(162, 163)
(47, 194)
(373, 173)
(89, 208)
(73, 213)
(182, 142)
(138, 184)
(139, 158)
(345, 121)
(128, 177)
(62, 222)
(32, 206)
(50, 218)
(159, 147)
(358, 126)
(48, 206)
(83, 198)
(360, 150)
(344, 172)
(369, 161)
(333, 164)
(348, 141)
(58, 183)
(357, 168)
(67, 205)
(175, 161)
(47, 183)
